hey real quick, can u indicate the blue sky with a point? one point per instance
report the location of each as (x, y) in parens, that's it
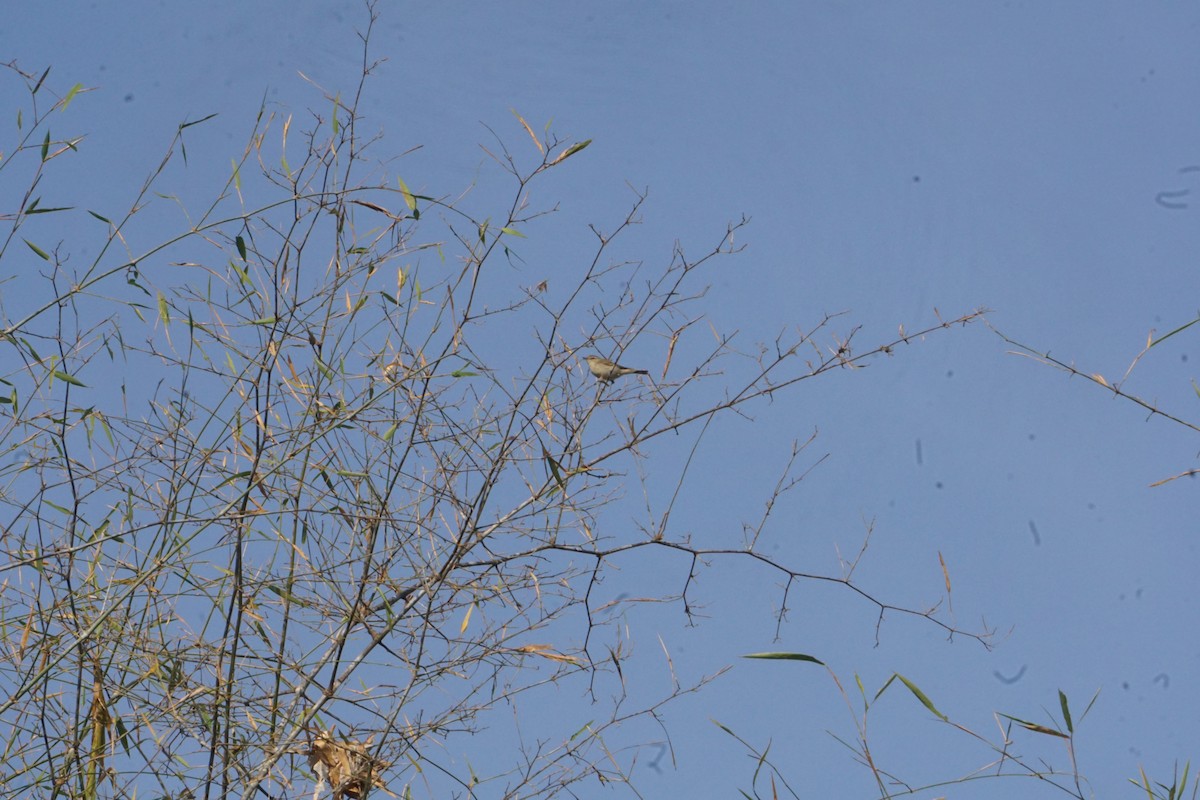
(895, 158)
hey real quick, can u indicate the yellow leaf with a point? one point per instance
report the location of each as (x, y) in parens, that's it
(945, 572)
(545, 651)
(409, 200)
(466, 620)
(528, 130)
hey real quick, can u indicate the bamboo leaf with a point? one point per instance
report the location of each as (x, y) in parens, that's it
(66, 101)
(916, 692)
(42, 253)
(570, 151)
(555, 469)
(1066, 711)
(374, 207)
(41, 80)
(1036, 728)
(786, 657)
(1165, 336)
(409, 200)
(71, 379)
(537, 143)
(196, 122)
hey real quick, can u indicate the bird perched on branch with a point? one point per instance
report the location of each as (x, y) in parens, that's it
(609, 371)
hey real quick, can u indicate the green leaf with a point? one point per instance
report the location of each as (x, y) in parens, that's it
(1172, 333)
(570, 151)
(183, 125)
(102, 219)
(286, 595)
(46, 146)
(71, 379)
(463, 373)
(122, 734)
(1066, 711)
(48, 210)
(555, 469)
(513, 232)
(66, 101)
(786, 657)
(409, 200)
(164, 311)
(1033, 726)
(38, 250)
(245, 276)
(241, 246)
(265, 321)
(41, 80)
(916, 692)
(390, 432)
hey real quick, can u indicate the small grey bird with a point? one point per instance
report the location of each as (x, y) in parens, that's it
(609, 371)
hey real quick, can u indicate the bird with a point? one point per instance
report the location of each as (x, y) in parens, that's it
(608, 371)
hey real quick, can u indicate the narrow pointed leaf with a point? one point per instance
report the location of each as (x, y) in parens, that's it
(925, 701)
(1066, 711)
(786, 657)
(164, 311)
(66, 101)
(196, 122)
(71, 379)
(41, 80)
(570, 151)
(1036, 728)
(42, 253)
(409, 200)
(528, 130)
